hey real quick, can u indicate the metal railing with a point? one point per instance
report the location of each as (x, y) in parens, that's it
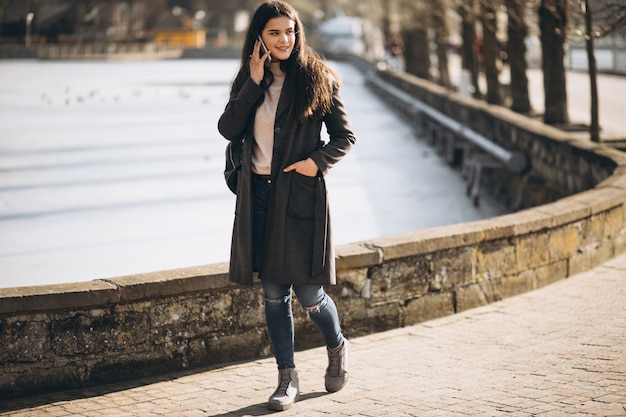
(489, 155)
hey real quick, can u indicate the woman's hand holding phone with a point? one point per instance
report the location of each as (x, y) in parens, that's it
(265, 53)
(258, 60)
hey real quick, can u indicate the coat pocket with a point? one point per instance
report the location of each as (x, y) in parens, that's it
(301, 196)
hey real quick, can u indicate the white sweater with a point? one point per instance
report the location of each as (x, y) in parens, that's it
(264, 128)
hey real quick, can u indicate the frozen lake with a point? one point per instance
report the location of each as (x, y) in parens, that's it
(115, 168)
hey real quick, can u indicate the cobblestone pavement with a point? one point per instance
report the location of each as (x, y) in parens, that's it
(556, 351)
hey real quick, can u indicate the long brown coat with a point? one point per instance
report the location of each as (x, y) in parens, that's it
(298, 239)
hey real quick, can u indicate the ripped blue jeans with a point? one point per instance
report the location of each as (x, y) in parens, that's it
(278, 314)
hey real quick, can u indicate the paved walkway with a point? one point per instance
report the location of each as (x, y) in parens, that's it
(556, 351)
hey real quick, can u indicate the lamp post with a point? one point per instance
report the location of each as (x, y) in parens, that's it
(29, 20)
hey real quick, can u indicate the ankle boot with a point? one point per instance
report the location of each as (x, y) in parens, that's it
(337, 371)
(288, 391)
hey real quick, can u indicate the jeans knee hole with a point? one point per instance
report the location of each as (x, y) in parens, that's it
(314, 309)
(283, 300)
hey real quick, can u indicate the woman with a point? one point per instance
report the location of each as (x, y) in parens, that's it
(279, 99)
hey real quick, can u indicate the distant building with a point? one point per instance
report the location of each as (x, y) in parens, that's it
(60, 21)
(120, 21)
(180, 31)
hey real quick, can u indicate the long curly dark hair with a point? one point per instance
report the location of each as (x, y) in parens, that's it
(309, 80)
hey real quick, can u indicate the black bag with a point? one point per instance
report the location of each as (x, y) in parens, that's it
(233, 164)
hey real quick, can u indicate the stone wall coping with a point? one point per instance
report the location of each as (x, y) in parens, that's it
(57, 296)
(171, 282)
(124, 289)
(118, 290)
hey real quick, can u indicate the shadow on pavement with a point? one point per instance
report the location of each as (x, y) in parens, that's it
(261, 409)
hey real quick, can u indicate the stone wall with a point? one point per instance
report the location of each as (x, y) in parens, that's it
(76, 335)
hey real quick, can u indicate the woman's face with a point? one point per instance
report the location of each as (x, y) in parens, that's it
(279, 35)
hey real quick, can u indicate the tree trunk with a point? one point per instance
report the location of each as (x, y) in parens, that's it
(490, 51)
(517, 31)
(416, 53)
(468, 48)
(441, 40)
(594, 129)
(553, 23)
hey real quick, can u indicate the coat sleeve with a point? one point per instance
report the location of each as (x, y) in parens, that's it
(341, 136)
(234, 121)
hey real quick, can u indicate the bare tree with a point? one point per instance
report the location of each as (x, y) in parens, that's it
(517, 30)
(441, 31)
(490, 50)
(415, 23)
(469, 59)
(594, 128)
(610, 17)
(553, 25)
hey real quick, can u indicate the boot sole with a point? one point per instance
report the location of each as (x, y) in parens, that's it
(282, 407)
(339, 388)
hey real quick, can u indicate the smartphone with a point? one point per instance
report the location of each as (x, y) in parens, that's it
(264, 50)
